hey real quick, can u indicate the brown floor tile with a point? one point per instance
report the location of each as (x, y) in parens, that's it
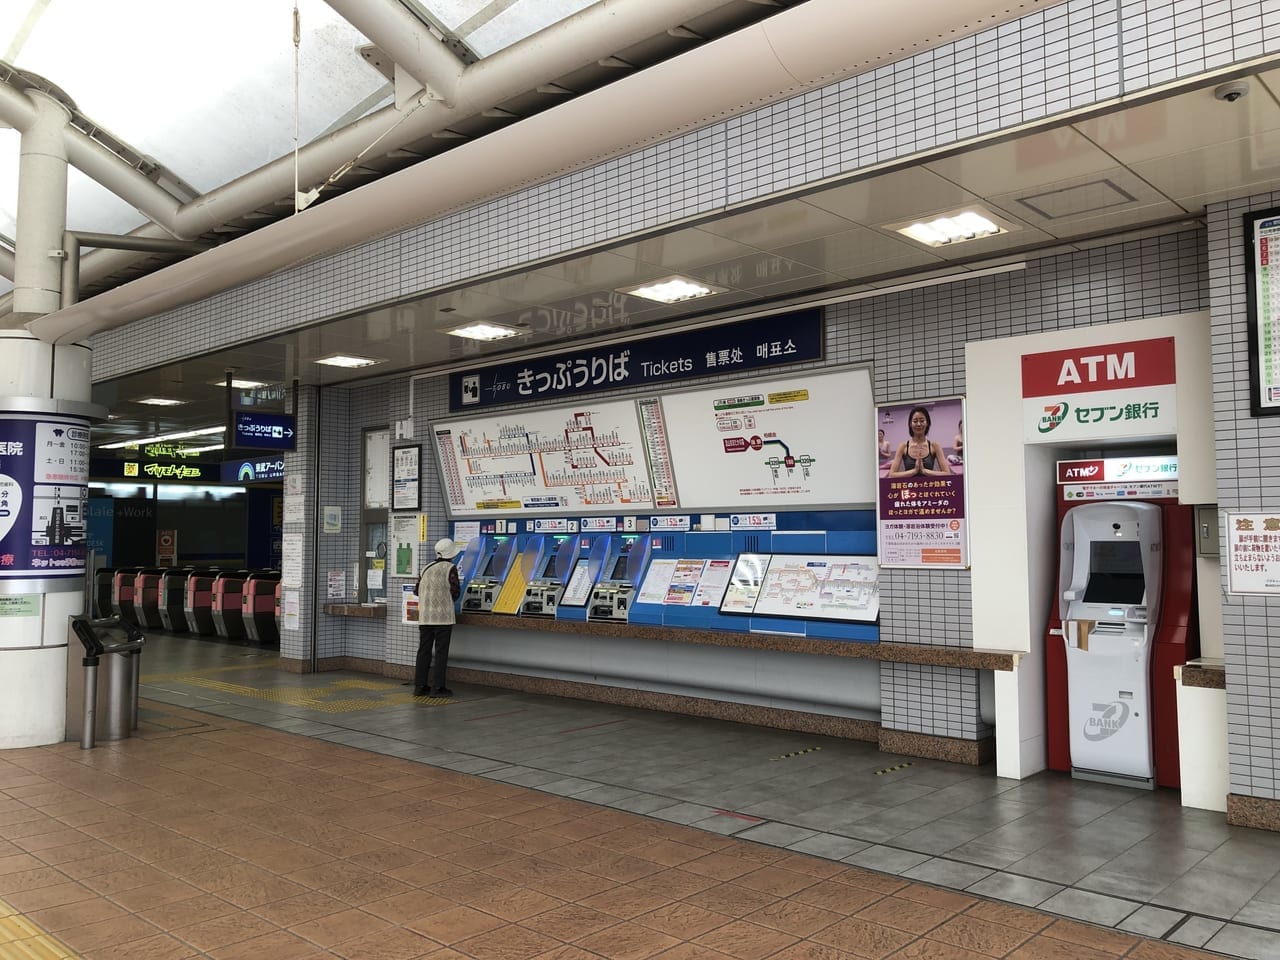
(1156, 950)
(746, 941)
(569, 922)
(981, 936)
(19, 862)
(182, 913)
(158, 947)
(566, 951)
(517, 904)
(791, 916)
(692, 951)
(220, 931)
(1021, 918)
(574, 885)
(866, 880)
(669, 853)
(776, 880)
(720, 866)
(908, 915)
(92, 937)
(628, 941)
(1087, 935)
(408, 906)
(813, 866)
(394, 944)
(334, 928)
(937, 897)
(622, 867)
(73, 851)
(837, 897)
(626, 901)
(278, 945)
(864, 938)
(511, 942)
(76, 914)
(304, 907)
(96, 866)
(731, 900)
(676, 882)
(1042, 948)
(109, 884)
(457, 923)
(936, 950)
(154, 894)
(258, 891)
(684, 921)
(26, 901)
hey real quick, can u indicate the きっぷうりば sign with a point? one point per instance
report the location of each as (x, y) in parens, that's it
(1100, 392)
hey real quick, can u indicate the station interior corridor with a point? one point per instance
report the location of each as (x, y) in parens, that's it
(259, 813)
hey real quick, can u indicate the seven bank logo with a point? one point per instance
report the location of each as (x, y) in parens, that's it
(1106, 721)
(1053, 416)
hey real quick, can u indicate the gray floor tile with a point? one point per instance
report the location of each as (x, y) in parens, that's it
(718, 823)
(886, 859)
(985, 854)
(605, 796)
(830, 846)
(1060, 862)
(947, 873)
(1119, 885)
(1258, 913)
(643, 803)
(1208, 892)
(1092, 907)
(1014, 889)
(689, 813)
(775, 834)
(1248, 942)
(940, 836)
(1150, 921)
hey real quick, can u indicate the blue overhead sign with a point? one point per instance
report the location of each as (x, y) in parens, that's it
(253, 471)
(264, 431)
(730, 348)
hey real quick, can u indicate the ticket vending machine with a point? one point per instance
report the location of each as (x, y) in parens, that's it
(551, 572)
(624, 563)
(492, 568)
(1124, 618)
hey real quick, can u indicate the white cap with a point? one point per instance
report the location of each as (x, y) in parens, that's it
(446, 548)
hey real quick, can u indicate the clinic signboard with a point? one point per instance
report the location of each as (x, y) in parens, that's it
(785, 338)
(1100, 392)
(263, 431)
(44, 472)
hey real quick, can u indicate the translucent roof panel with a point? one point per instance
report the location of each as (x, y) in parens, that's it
(205, 90)
(486, 26)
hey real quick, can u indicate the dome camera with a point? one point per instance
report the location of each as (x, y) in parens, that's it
(1231, 92)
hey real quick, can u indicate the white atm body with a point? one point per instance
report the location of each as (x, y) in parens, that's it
(1109, 600)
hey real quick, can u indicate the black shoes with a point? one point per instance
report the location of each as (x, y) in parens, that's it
(442, 692)
(420, 693)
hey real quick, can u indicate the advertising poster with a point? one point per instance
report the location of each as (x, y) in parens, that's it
(404, 539)
(921, 503)
(44, 493)
(409, 603)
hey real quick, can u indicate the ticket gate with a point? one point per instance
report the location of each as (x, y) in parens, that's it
(197, 603)
(103, 587)
(146, 598)
(258, 607)
(173, 592)
(227, 605)
(122, 588)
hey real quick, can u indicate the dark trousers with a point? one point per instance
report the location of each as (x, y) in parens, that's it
(432, 635)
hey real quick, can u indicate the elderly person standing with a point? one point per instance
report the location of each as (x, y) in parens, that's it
(438, 588)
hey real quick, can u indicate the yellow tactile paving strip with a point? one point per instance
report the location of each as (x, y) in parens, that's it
(20, 939)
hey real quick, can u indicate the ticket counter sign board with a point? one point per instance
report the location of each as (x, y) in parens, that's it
(264, 431)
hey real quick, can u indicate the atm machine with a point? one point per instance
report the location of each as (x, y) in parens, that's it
(558, 559)
(623, 566)
(492, 567)
(1124, 619)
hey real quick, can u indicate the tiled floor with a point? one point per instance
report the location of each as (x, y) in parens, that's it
(209, 837)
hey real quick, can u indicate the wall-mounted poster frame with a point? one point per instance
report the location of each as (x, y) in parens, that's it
(921, 510)
(1262, 281)
(808, 586)
(406, 477)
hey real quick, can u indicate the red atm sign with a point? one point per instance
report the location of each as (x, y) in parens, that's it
(1113, 366)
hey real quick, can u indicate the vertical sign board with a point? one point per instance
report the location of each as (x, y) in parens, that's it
(1101, 392)
(44, 490)
(1262, 237)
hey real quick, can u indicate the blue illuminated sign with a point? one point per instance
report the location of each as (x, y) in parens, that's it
(784, 338)
(253, 471)
(265, 431)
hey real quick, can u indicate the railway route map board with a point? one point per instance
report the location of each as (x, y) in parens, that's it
(807, 440)
(556, 460)
(812, 587)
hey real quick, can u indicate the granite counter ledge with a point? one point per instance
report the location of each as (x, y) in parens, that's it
(888, 652)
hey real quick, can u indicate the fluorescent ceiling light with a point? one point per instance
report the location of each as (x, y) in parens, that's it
(955, 227)
(347, 362)
(160, 402)
(183, 435)
(483, 330)
(212, 446)
(673, 290)
(240, 384)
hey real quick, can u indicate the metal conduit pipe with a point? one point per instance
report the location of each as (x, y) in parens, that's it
(98, 163)
(799, 47)
(73, 239)
(407, 41)
(42, 211)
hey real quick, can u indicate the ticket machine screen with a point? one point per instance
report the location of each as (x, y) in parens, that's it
(1115, 573)
(619, 571)
(549, 570)
(488, 567)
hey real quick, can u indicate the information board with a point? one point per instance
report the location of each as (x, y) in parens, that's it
(558, 460)
(578, 590)
(806, 440)
(805, 586)
(1262, 236)
(656, 581)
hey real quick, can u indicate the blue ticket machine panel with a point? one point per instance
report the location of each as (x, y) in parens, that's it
(477, 550)
(491, 570)
(586, 571)
(620, 571)
(1109, 600)
(550, 574)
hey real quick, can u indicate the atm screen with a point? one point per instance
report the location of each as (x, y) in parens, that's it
(1115, 572)
(619, 571)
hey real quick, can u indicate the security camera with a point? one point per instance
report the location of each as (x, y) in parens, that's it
(1231, 92)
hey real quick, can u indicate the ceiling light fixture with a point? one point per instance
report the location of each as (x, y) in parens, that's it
(182, 435)
(956, 227)
(237, 384)
(347, 362)
(483, 330)
(672, 290)
(160, 402)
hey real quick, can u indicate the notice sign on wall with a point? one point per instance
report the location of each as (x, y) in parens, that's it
(1263, 237)
(1100, 392)
(1253, 553)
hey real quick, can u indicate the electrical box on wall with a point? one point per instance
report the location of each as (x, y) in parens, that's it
(1207, 530)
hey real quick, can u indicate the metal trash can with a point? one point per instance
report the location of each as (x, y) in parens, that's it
(102, 686)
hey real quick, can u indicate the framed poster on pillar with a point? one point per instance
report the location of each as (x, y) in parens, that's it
(406, 486)
(921, 507)
(1262, 272)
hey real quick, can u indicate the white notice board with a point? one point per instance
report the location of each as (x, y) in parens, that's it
(575, 459)
(805, 440)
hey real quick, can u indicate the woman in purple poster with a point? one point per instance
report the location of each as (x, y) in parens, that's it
(918, 456)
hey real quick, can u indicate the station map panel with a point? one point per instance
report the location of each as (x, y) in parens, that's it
(812, 587)
(569, 460)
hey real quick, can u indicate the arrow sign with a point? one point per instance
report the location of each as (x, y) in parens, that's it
(265, 431)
